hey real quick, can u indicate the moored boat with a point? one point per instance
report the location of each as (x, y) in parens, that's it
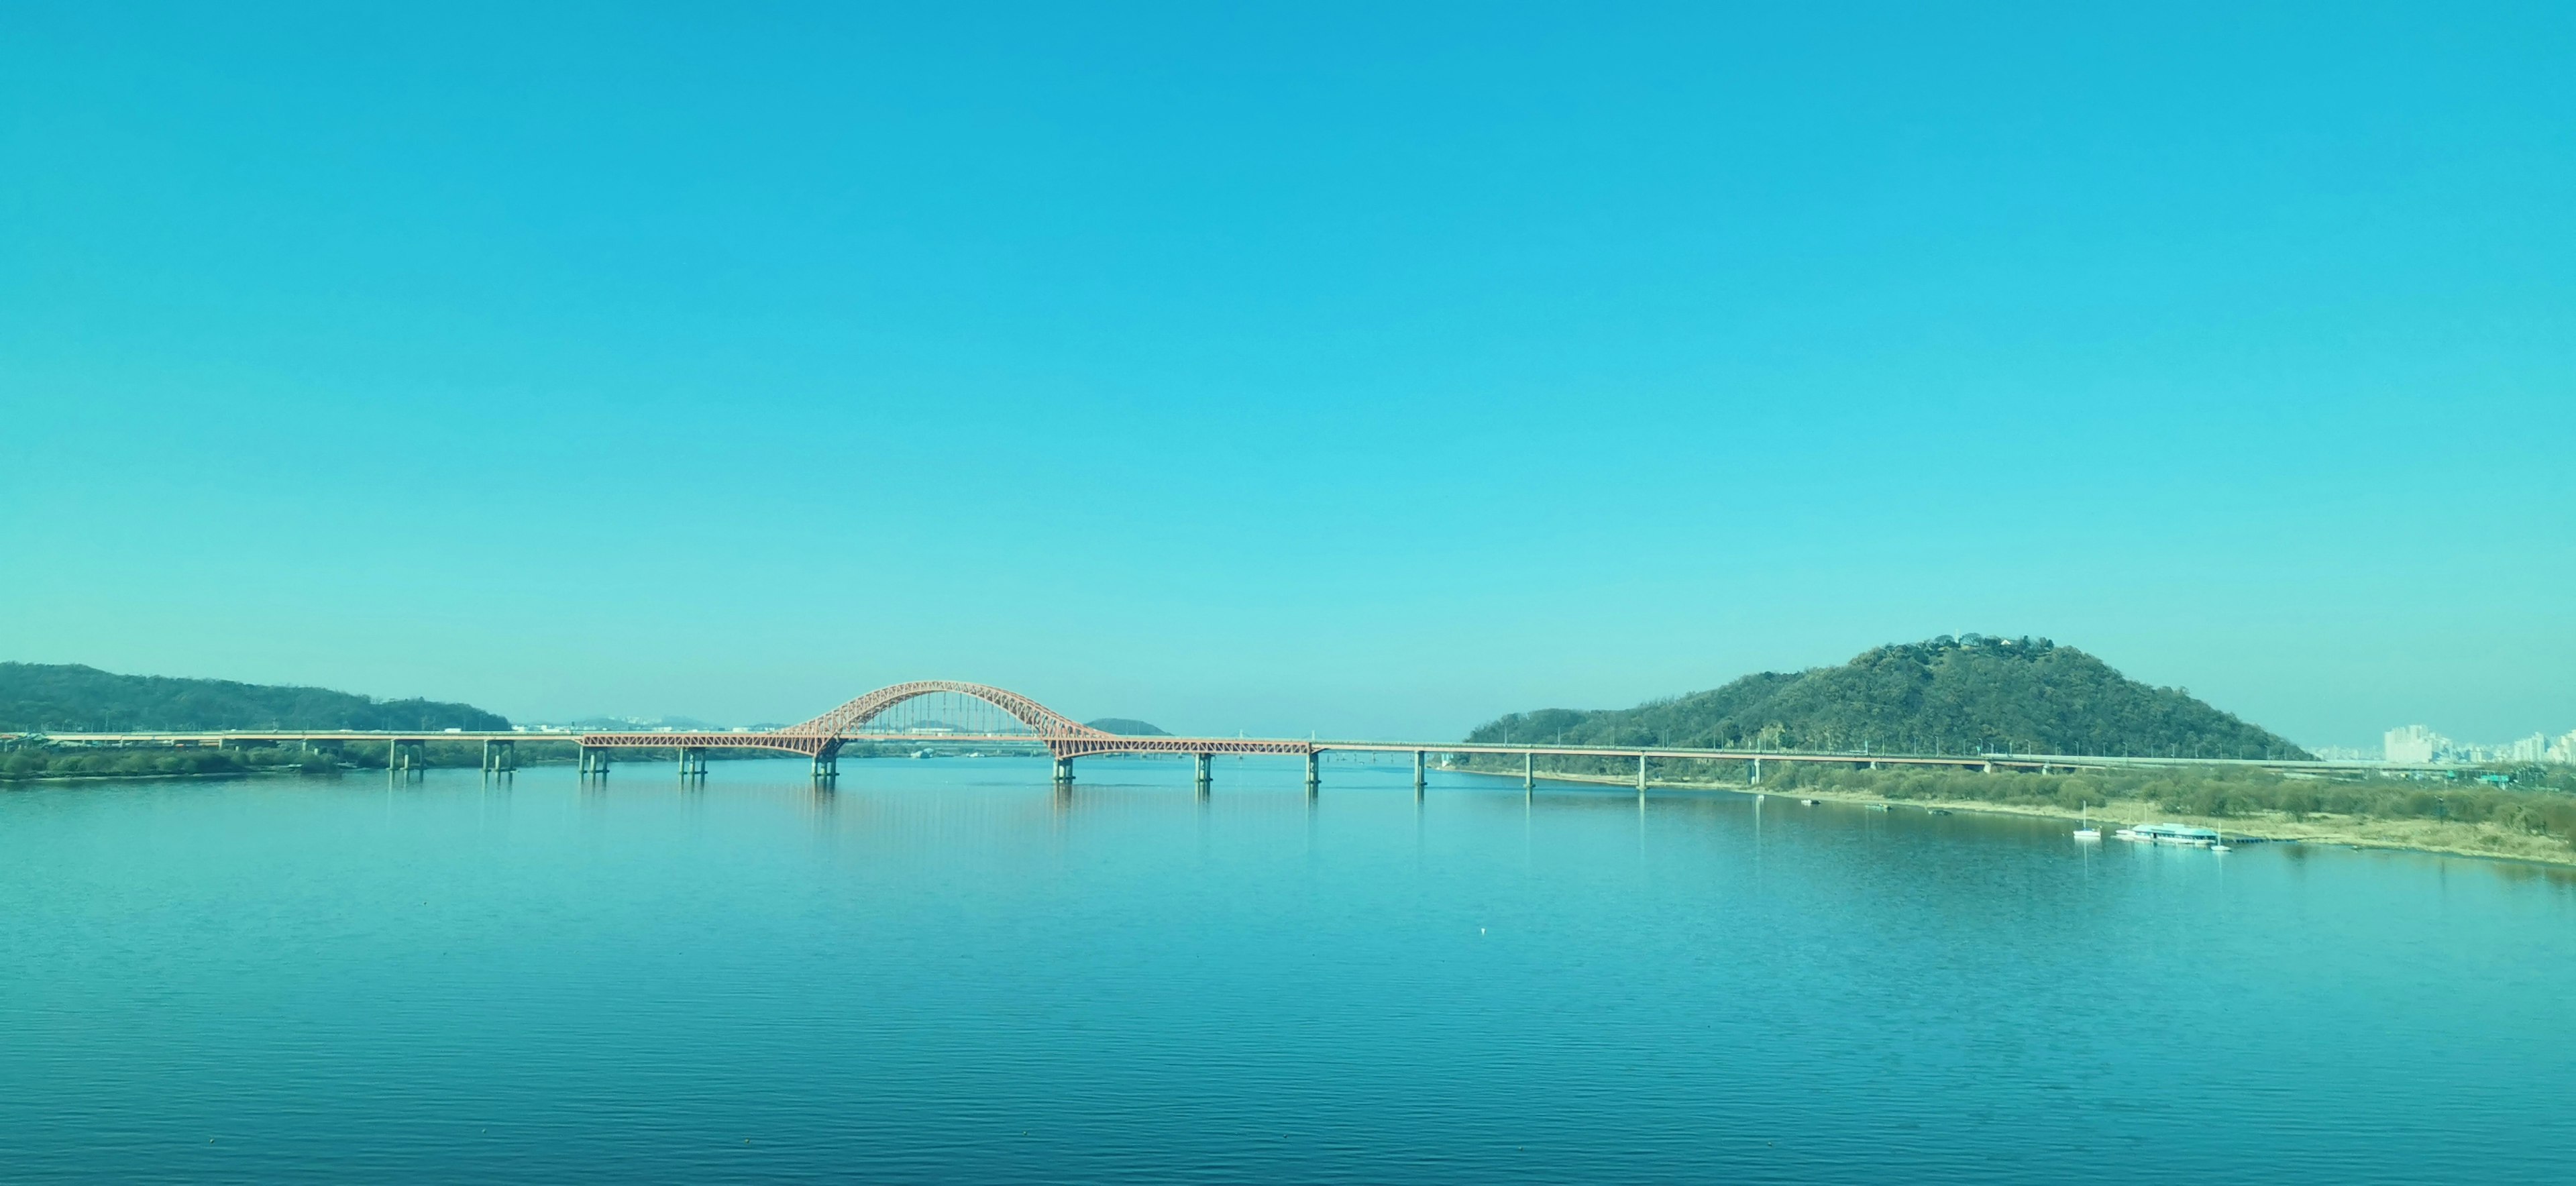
(2183, 835)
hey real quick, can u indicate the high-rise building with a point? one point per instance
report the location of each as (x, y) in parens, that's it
(2412, 743)
(2563, 750)
(2532, 749)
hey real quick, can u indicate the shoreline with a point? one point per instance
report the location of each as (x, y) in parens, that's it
(2484, 841)
(7, 780)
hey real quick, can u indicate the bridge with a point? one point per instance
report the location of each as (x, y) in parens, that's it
(1008, 718)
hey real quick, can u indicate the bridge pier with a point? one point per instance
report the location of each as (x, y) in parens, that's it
(406, 757)
(1529, 771)
(1641, 775)
(1063, 771)
(693, 762)
(500, 757)
(594, 761)
(1314, 770)
(827, 764)
(1207, 770)
(1756, 779)
(1419, 781)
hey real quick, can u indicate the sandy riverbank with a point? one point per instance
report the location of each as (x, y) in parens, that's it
(2417, 835)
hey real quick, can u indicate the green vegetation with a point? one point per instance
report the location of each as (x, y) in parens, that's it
(30, 761)
(1971, 694)
(2535, 802)
(74, 699)
(1980, 695)
(34, 757)
(1127, 727)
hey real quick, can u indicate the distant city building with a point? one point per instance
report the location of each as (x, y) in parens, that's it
(2415, 743)
(2412, 743)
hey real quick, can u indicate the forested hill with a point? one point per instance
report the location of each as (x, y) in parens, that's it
(71, 698)
(1127, 727)
(1948, 695)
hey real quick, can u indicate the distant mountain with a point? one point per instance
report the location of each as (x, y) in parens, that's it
(1126, 727)
(69, 698)
(1954, 695)
(613, 724)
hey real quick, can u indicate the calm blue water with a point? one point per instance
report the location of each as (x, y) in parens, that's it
(946, 972)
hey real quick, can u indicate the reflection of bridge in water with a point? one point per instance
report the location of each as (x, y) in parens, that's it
(952, 713)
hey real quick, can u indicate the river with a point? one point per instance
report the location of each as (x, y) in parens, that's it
(946, 971)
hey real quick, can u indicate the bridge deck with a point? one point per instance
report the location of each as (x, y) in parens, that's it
(809, 744)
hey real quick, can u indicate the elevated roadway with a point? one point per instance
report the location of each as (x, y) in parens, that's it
(821, 740)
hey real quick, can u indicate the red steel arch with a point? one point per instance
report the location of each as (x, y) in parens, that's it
(1063, 736)
(1049, 724)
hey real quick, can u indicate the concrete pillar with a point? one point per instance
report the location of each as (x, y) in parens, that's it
(1529, 771)
(1756, 780)
(1641, 774)
(1419, 781)
(1314, 769)
(1207, 769)
(1064, 770)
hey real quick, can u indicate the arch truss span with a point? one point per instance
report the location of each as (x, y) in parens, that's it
(1055, 729)
(1064, 737)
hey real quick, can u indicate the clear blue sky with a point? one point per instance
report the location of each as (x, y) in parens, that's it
(1372, 370)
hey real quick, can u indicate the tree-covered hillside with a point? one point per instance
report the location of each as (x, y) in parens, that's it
(71, 698)
(1127, 727)
(1949, 695)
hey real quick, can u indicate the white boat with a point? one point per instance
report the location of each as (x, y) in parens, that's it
(2181, 835)
(2084, 829)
